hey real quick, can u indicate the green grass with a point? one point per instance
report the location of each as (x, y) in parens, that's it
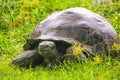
(18, 18)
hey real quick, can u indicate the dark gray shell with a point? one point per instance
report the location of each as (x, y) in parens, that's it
(74, 26)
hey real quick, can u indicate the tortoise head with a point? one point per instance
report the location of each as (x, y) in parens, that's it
(47, 49)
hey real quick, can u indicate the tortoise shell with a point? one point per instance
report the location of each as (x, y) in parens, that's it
(74, 26)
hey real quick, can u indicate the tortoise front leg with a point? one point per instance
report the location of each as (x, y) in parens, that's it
(30, 58)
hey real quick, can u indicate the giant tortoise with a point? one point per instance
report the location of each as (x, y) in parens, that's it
(53, 37)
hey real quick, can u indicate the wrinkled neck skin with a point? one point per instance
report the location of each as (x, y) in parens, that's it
(52, 60)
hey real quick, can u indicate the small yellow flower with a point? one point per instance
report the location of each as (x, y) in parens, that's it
(119, 4)
(116, 46)
(108, 64)
(96, 59)
(31, 18)
(111, 3)
(22, 13)
(77, 49)
(16, 19)
(26, 5)
(35, 2)
(15, 24)
(101, 78)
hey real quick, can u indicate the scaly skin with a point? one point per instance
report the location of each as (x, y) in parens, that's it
(29, 58)
(47, 49)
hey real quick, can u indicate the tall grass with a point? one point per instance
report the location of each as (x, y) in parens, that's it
(18, 18)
